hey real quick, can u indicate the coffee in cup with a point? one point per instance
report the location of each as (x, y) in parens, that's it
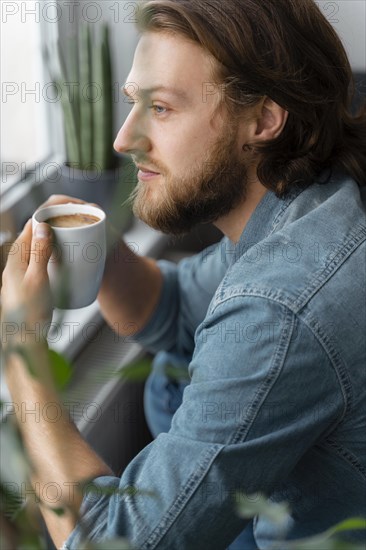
(72, 220)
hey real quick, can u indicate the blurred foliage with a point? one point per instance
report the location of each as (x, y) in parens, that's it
(278, 513)
(140, 370)
(251, 506)
(60, 368)
(137, 371)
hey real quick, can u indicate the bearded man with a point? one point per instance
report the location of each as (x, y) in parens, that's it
(240, 117)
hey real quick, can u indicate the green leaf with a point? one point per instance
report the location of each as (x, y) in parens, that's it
(71, 112)
(136, 372)
(86, 106)
(179, 374)
(103, 108)
(110, 158)
(350, 524)
(60, 368)
(10, 500)
(57, 511)
(73, 59)
(320, 543)
(327, 539)
(253, 505)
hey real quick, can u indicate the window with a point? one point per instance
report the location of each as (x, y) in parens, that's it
(25, 104)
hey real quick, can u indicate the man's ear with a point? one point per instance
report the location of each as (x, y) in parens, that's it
(270, 121)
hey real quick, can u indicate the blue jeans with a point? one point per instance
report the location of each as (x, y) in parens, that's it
(162, 397)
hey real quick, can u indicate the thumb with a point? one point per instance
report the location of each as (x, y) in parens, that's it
(41, 247)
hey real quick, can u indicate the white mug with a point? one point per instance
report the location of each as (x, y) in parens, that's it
(76, 266)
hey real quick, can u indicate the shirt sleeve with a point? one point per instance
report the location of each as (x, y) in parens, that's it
(187, 291)
(262, 392)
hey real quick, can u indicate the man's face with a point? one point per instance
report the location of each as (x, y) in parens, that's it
(190, 160)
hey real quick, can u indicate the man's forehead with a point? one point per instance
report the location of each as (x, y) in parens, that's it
(171, 64)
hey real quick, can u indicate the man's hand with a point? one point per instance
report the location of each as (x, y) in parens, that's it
(25, 296)
(58, 454)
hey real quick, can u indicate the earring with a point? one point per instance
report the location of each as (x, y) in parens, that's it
(247, 148)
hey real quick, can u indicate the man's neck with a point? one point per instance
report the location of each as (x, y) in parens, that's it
(233, 224)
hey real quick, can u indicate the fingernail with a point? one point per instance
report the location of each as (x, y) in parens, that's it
(42, 231)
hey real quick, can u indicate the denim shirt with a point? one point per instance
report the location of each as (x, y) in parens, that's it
(273, 329)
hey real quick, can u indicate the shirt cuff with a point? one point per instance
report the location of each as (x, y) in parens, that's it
(93, 513)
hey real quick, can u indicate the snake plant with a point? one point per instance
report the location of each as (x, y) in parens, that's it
(83, 78)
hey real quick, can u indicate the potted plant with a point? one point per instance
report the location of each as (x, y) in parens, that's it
(83, 77)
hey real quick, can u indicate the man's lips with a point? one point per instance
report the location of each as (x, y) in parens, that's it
(146, 173)
(145, 170)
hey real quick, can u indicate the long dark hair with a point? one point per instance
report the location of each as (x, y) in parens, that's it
(288, 51)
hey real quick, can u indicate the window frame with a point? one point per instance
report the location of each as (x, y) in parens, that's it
(14, 187)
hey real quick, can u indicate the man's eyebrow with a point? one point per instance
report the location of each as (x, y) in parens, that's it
(180, 94)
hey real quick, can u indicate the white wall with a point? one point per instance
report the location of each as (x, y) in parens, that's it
(349, 19)
(124, 37)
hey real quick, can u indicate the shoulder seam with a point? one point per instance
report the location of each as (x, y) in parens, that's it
(353, 242)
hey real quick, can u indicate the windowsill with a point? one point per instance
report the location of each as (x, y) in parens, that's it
(34, 180)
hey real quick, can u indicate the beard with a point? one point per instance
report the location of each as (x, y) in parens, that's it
(210, 190)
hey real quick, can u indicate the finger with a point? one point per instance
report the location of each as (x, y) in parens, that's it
(60, 199)
(36, 282)
(54, 200)
(16, 265)
(41, 251)
(19, 253)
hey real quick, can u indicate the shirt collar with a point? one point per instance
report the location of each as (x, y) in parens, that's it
(263, 220)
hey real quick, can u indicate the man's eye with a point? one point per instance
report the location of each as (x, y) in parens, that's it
(159, 109)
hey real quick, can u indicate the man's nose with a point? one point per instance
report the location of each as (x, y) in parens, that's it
(132, 137)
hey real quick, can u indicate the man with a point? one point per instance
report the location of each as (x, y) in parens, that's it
(240, 117)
